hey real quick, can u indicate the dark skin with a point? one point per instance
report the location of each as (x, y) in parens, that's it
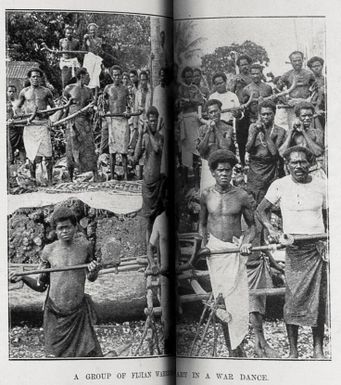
(152, 165)
(32, 98)
(214, 116)
(298, 166)
(66, 287)
(302, 135)
(81, 95)
(221, 211)
(117, 98)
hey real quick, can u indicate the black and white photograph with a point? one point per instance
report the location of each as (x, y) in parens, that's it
(251, 198)
(87, 122)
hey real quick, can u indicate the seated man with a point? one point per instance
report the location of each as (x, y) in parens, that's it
(222, 207)
(68, 314)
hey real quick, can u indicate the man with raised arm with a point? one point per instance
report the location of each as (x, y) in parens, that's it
(36, 136)
(150, 142)
(68, 313)
(263, 142)
(222, 207)
(302, 200)
(214, 135)
(80, 142)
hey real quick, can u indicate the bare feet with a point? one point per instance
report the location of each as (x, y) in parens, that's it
(318, 354)
(270, 353)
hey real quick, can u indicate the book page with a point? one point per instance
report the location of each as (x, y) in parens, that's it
(234, 61)
(85, 100)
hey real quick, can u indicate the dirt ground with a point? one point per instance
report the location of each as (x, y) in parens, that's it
(116, 339)
(275, 333)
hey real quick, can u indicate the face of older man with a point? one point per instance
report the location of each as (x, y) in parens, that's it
(298, 166)
(296, 61)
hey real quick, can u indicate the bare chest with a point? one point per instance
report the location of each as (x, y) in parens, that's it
(226, 204)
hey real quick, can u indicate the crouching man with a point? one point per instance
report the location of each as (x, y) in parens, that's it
(222, 206)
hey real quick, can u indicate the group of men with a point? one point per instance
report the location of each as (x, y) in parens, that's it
(284, 173)
(134, 122)
(119, 100)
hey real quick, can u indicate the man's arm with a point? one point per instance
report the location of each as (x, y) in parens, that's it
(287, 142)
(313, 146)
(49, 99)
(204, 135)
(263, 214)
(203, 218)
(248, 214)
(251, 140)
(156, 142)
(93, 267)
(21, 101)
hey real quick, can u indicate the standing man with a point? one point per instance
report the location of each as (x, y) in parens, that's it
(80, 142)
(228, 100)
(143, 99)
(151, 141)
(37, 138)
(69, 315)
(68, 62)
(222, 207)
(264, 140)
(91, 41)
(257, 87)
(303, 132)
(117, 99)
(197, 79)
(302, 200)
(315, 64)
(262, 145)
(15, 133)
(243, 78)
(189, 101)
(214, 135)
(303, 78)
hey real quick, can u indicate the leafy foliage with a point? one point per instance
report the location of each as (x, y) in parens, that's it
(127, 37)
(223, 57)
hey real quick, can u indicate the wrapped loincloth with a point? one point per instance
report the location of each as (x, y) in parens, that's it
(258, 278)
(228, 276)
(80, 145)
(152, 197)
(262, 172)
(306, 287)
(189, 132)
(71, 334)
(37, 140)
(118, 129)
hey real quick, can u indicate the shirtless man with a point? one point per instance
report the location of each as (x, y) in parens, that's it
(304, 80)
(80, 143)
(68, 62)
(214, 135)
(92, 42)
(68, 312)
(37, 138)
(303, 133)
(151, 141)
(117, 99)
(222, 207)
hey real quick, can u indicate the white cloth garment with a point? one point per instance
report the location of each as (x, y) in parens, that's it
(228, 276)
(93, 63)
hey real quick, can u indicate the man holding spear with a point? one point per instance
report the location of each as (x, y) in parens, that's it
(302, 200)
(222, 207)
(68, 312)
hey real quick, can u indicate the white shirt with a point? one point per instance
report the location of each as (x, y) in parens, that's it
(228, 100)
(301, 204)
